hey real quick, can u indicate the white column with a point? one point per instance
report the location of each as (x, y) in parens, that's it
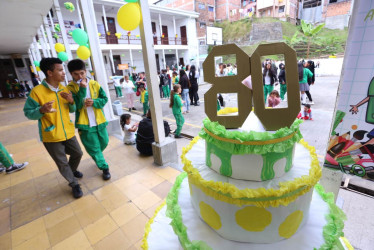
(131, 59)
(111, 61)
(42, 44)
(32, 61)
(63, 30)
(105, 21)
(160, 23)
(151, 72)
(81, 23)
(35, 48)
(49, 36)
(163, 56)
(176, 54)
(89, 20)
(45, 41)
(175, 31)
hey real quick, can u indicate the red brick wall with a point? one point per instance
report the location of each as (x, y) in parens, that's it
(337, 9)
(221, 9)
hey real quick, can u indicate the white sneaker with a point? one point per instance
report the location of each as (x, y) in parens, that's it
(311, 102)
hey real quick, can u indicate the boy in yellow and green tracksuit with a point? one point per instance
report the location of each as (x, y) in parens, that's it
(9, 88)
(51, 104)
(176, 104)
(90, 100)
(144, 99)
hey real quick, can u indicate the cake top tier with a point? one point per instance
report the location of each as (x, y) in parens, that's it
(251, 138)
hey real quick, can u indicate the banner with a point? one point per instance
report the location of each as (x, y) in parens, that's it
(351, 146)
(123, 66)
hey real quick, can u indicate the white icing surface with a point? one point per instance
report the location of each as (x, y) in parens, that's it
(216, 162)
(162, 235)
(252, 123)
(301, 166)
(241, 169)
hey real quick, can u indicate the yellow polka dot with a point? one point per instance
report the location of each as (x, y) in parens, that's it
(254, 219)
(210, 216)
(291, 224)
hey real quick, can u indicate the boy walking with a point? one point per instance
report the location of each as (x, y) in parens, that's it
(90, 100)
(50, 104)
(144, 99)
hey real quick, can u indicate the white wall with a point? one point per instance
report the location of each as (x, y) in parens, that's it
(264, 4)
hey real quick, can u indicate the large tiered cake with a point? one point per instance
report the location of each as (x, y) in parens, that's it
(247, 188)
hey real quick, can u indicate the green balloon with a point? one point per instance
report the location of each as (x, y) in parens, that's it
(37, 64)
(63, 56)
(131, 1)
(80, 36)
(87, 45)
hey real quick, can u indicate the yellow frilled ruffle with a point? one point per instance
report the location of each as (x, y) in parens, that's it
(288, 192)
(148, 229)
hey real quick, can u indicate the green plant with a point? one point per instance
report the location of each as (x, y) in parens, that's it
(295, 39)
(310, 32)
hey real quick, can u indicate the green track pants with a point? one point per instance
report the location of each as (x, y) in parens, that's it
(267, 91)
(283, 90)
(118, 91)
(180, 121)
(5, 158)
(95, 142)
(166, 90)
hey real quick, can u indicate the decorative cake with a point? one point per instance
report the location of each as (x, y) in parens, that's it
(248, 180)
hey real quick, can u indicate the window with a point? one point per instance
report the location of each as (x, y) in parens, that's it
(313, 3)
(201, 6)
(210, 8)
(281, 9)
(202, 25)
(19, 63)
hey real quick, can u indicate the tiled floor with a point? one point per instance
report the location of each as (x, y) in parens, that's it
(37, 210)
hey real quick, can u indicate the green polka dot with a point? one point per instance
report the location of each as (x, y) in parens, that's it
(291, 224)
(253, 219)
(210, 216)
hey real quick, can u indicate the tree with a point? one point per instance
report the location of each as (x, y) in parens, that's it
(310, 32)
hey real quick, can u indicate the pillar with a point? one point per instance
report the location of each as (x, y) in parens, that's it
(49, 36)
(81, 23)
(88, 13)
(62, 27)
(112, 62)
(131, 59)
(35, 48)
(44, 43)
(163, 56)
(164, 148)
(32, 61)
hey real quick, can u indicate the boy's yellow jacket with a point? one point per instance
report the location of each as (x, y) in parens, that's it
(56, 126)
(99, 100)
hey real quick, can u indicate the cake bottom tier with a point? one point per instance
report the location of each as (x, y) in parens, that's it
(178, 226)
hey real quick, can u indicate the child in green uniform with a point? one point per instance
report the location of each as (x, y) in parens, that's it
(90, 100)
(144, 98)
(176, 104)
(175, 79)
(9, 88)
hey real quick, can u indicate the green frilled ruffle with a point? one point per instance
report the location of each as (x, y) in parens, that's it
(333, 230)
(174, 212)
(238, 149)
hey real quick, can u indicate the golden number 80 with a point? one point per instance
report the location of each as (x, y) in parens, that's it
(272, 119)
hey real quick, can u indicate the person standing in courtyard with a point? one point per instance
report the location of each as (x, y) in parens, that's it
(90, 99)
(269, 78)
(185, 85)
(304, 74)
(176, 104)
(50, 104)
(282, 80)
(193, 77)
(129, 88)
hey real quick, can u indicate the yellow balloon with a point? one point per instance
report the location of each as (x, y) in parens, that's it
(129, 16)
(59, 47)
(37, 68)
(83, 52)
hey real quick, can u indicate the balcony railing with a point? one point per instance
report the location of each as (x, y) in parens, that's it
(133, 39)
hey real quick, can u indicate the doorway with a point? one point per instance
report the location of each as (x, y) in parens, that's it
(154, 33)
(181, 61)
(165, 39)
(7, 72)
(184, 35)
(158, 62)
(116, 61)
(111, 39)
(171, 60)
